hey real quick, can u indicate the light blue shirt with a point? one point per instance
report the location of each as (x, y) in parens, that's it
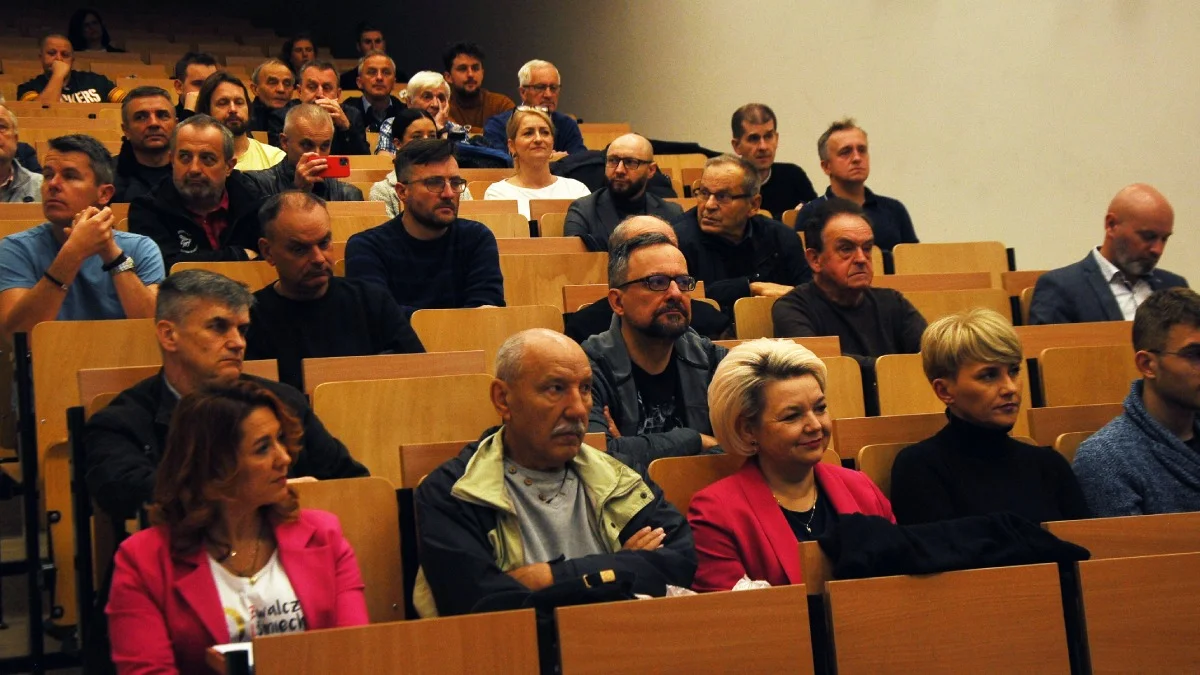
(25, 257)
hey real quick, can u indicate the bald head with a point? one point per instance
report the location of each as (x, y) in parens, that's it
(624, 181)
(534, 344)
(1136, 228)
(636, 225)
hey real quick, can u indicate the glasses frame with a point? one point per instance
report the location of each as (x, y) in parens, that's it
(702, 196)
(645, 281)
(614, 162)
(444, 182)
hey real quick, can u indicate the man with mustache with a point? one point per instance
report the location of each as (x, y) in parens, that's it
(470, 104)
(650, 370)
(309, 313)
(307, 139)
(1115, 278)
(530, 506)
(225, 98)
(208, 210)
(147, 120)
(783, 186)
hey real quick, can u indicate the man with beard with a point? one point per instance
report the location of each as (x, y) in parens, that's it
(628, 167)
(307, 137)
(273, 85)
(755, 137)
(1114, 279)
(429, 257)
(208, 210)
(147, 120)
(319, 86)
(470, 104)
(309, 313)
(650, 371)
(225, 98)
(376, 80)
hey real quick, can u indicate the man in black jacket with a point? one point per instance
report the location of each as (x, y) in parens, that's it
(376, 79)
(307, 136)
(273, 85)
(319, 85)
(202, 318)
(147, 120)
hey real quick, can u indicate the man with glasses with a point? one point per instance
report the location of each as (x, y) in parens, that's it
(628, 167)
(1148, 459)
(428, 257)
(650, 370)
(540, 85)
(736, 253)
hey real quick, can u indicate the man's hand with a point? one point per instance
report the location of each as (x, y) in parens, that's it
(308, 171)
(91, 233)
(251, 254)
(59, 69)
(535, 577)
(645, 539)
(189, 100)
(766, 289)
(335, 111)
(708, 442)
(612, 425)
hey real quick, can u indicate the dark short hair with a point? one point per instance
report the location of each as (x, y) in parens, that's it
(319, 64)
(194, 59)
(420, 153)
(75, 29)
(454, 50)
(404, 119)
(203, 121)
(100, 159)
(143, 92)
(754, 113)
(1160, 312)
(178, 290)
(285, 53)
(204, 98)
(269, 212)
(844, 124)
(814, 224)
(367, 27)
(619, 254)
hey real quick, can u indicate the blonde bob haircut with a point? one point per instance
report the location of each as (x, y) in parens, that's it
(978, 335)
(514, 122)
(739, 384)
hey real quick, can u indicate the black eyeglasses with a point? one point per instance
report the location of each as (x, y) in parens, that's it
(723, 198)
(631, 163)
(1189, 354)
(661, 282)
(436, 184)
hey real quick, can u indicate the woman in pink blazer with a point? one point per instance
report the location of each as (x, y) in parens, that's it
(231, 555)
(767, 402)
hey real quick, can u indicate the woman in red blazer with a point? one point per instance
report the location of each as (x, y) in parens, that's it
(767, 402)
(231, 555)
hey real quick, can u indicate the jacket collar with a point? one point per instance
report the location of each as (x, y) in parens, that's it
(1101, 289)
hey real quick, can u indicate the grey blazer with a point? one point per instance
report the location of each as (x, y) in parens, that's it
(1078, 293)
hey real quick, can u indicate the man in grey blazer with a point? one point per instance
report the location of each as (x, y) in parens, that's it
(1112, 280)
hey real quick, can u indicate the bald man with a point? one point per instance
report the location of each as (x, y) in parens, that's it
(628, 167)
(1110, 283)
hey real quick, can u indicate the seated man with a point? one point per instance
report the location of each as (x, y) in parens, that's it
(650, 371)
(530, 505)
(306, 138)
(309, 313)
(839, 300)
(18, 184)
(77, 265)
(319, 85)
(1112, 280)
(224, 97)
(736, 253)
(470, 104)
(783, 186)
(428, 257)
(59, 83)
(628, 167)
(273, 85)
(1148, 459)
(202, 318)
(190, 73)
(208, 210)
(376, 80)
(147, 120)
(370, 39)
(540, 84)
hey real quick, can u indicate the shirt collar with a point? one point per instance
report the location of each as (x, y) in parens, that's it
(1107, 269)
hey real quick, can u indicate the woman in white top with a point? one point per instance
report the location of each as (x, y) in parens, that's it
(531, 142)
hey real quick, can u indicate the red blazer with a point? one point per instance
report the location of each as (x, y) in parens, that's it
(165, 612)
(739, 529)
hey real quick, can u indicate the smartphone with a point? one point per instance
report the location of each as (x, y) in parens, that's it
(338, 167)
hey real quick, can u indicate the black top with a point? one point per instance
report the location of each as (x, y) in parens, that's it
(889, 219)
(354, 318)
(657, 397)
(370, 119)
(267, 119)
(787, 188)
(597, 318)
(969, 470)
(81, 87)
(134, 179)
(808, 525)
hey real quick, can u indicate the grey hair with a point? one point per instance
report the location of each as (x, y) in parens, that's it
(512, 352)
(750, 183)
(620, 252)
(12, 119)
(143, 92)
(526, 71)
(309, 112)
(202, 121)
(375, 52)
(426, 79)
(297, 200)
(178, 290)
(264, 64)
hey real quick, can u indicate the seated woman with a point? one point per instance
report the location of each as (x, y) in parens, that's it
(297, 51)
(231, 556)
(87, 32)
(531, 142)
(972, 467)
(767, 402)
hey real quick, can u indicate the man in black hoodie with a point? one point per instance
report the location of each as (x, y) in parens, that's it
(147, 120)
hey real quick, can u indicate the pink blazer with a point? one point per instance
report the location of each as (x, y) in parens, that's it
(165, 612)
(739, 529)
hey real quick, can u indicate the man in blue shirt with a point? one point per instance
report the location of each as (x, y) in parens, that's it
(540, 85)
(77, 265)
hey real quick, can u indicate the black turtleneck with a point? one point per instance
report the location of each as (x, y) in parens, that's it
(969, 470)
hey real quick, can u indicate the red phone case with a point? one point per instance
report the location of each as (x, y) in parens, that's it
(338, 167)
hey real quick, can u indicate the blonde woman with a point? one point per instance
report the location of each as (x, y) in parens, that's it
(531, 143)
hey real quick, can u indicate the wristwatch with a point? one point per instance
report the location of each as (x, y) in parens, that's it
(123, 263)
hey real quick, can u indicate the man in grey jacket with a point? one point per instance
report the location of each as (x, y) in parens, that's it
(17, 184)
(307, 138)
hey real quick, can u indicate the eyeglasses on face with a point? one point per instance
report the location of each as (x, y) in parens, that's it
(543, 88)
(631, 163)
(723, 198)
(661, 282)
(438, 183)
(1191, 354)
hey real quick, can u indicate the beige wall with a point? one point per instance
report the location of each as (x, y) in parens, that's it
(1013, 120)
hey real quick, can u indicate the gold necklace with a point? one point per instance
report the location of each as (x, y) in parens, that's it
(245, 572)
(811, 511)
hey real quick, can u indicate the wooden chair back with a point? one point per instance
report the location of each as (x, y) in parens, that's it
(344, 227)
(1084, 375)
(825, 345)
(853, 434)
(255, 274)
(1047, 424)
(682, 477)
(1025, 302)
(418, 460)
(876, 462)
(540, 207)
(390, 366)
(552, 224)
(1067, 444)
(478, 207)
(1129, 536)
(966, 256)
(478, 188)
(540, 245)
(96, 382)
(951, 281)
(505, 225)
(539, 279)
(489, 175)
(486, 328)
(378, 209)
(599, 140)
(789, 218)
(752, 318)
(1015, 282)
(843, 388)
(1036, 339)
(933, 305)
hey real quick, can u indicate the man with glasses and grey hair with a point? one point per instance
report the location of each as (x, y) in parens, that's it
(539, 87)
(650, 370)
(17, 184)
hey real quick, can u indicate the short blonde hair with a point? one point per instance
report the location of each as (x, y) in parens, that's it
(514, 122)
(980, 335)
(426, 79)
(741, 378)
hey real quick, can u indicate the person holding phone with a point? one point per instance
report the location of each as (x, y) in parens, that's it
(306, 139)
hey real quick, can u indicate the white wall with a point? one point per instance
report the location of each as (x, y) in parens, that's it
(1013, 120)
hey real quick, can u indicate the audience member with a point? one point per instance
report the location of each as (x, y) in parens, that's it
(767, 402)
(1111, 281)
(319, 86)
(845, 159)
(650, 371)
(297, 51)
(309, 313)
(273, 85)
(17, 183)
(60, 83)
(147, 120)
(231, 548)
(531, 144)
(530, 506)
(87, 33)
(208, 210)
(428, 257)
(408, 125)
(26, 154)
(202, 319)
(470, 104)
(540, 85)
(224, 97)
(628, 167)
(972, 467)
(736, 253)
(1148, 459)
(74, 266)
(428, 91)
(756, 138)
(839, 300)
(370, 39)
(376, 80)
(190, 73)
(307, 137)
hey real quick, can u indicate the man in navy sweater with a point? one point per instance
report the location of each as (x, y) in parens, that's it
(428, 257)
